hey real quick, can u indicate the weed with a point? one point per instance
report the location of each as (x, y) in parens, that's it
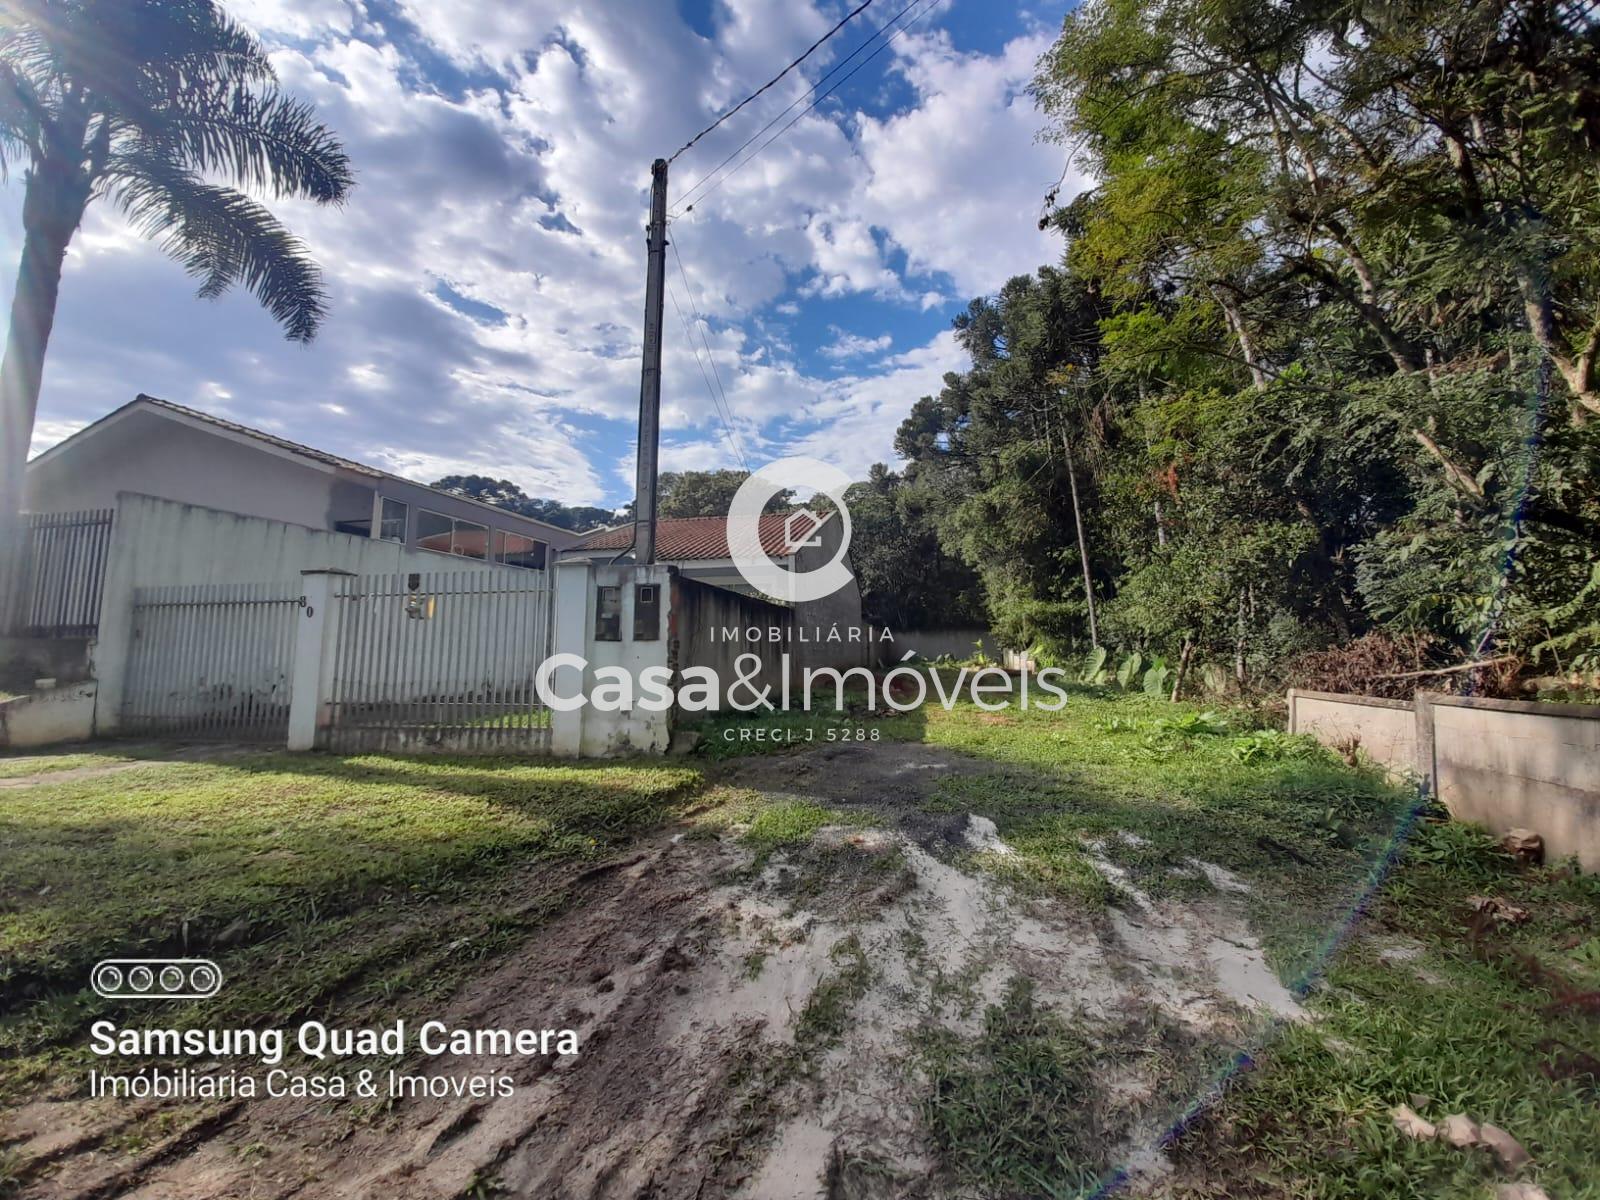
(1012, 1111)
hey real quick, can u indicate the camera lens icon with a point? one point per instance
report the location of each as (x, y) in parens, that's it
(156, 978)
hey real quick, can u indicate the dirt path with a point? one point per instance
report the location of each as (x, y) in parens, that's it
(759, 1028)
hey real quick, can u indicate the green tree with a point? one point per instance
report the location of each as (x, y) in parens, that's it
(706, 494)
(504, 494)
(169, 110)
(907, 579)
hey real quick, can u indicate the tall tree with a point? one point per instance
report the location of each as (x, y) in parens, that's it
(502, 493)
(707, 493)
(170, 110)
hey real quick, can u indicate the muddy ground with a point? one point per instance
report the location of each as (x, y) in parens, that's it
(753, 1025)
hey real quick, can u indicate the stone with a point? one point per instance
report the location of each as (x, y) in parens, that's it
(1409, 1123)
(1459, 1130)
(1505, 1147)
(1524, 845)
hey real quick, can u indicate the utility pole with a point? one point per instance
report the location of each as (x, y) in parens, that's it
(644, 495)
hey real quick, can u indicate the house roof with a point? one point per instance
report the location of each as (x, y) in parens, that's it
(699, 539)
(193, 416)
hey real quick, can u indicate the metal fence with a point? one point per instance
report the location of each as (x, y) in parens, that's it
(52, 585)
(440, 661)
(211, 661)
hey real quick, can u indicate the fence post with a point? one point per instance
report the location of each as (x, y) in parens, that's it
(569, 635)
(314, 646)
(1427, 773)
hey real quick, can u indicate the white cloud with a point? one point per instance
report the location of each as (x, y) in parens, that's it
(853, 345)
(957, 181)
(524, 191)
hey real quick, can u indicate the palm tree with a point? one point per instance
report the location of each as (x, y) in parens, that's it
(165, 108)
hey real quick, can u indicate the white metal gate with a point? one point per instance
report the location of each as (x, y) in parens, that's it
(440, 661)
(211, 661)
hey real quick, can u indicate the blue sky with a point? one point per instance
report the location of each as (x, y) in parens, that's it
(487, 276)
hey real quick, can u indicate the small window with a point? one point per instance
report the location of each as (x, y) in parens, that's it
(392, 524)
(434, 531)
(470, 540)
(646, 613)
(608, 615)
(445, 535)
(515, 550)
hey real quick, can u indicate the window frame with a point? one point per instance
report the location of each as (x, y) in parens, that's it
(456, 524)
(384, 518)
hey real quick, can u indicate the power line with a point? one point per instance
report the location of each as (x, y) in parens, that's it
(720, 407)
(707, 190)
(834, 70)
(809, 51)
(700, 324)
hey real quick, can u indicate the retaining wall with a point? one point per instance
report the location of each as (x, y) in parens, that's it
(1505, 764)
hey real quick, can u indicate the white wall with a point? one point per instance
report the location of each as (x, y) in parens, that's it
(151, 454)
(1385, 730)
(587, 731)
(158, 543)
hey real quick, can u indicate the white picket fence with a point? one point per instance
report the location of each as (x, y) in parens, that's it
(211, 661)
(440, 661)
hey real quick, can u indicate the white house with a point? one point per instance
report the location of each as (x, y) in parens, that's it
(153, 447)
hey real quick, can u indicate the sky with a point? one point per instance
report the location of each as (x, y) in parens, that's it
(487, 275)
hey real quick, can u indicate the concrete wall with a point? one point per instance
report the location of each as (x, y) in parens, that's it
(1514, 764)
(1386, 730)
(157, 543)
(1505, 764)
(66, 660)
(587, 731)
(46, 718)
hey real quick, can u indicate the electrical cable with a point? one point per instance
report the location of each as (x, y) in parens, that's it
(809, 51)
(723, 414)
(832, 71)
(707, 190)
(700, 324)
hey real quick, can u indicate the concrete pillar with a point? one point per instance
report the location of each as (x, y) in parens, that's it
(1427, 770)
(315, 645)
(570, 635)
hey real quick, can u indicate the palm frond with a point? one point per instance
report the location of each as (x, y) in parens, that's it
(223, 238)
(169, 41)
(255, 139)
(20, 117)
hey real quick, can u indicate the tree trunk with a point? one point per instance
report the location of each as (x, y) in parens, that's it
(49, 220)
(1241, 333)
(1183, 668)
(1083, 543)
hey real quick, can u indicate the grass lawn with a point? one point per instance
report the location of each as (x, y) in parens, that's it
(1502, 1023)
(308, 878)
(324, 884)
